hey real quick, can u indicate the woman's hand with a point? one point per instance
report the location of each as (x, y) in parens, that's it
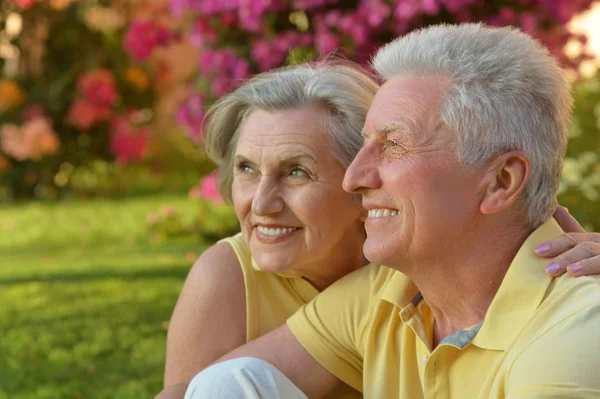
(576, 252)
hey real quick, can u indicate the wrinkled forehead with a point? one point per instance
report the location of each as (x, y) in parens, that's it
(304, 129)
(408, 104)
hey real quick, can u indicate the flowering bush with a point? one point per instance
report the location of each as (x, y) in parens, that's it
(239, 38)
(76, 94)
(143, 37)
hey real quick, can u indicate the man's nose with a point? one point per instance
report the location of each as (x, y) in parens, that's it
(267, 199)
(362, 173)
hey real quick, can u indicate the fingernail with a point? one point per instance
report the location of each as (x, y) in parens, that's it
(552, 268)
(542, 249)
(575, 268)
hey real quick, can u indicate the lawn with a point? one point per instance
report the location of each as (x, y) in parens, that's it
(85, 298)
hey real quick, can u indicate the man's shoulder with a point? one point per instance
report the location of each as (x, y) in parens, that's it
(563, 329)
(568, 296)
(559, 349)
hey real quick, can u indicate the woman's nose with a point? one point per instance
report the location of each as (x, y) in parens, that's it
(267, 199)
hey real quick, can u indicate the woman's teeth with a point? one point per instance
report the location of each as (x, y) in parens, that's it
(381, 213)
(275, 232)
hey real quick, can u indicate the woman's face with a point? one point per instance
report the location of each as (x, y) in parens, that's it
(288, 196)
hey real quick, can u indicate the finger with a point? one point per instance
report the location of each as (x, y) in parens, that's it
(581, 252)
(586, 267)
(557, 246)
(566, 221)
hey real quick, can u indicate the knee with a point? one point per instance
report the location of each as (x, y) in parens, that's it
(246, 377)
(232, 378)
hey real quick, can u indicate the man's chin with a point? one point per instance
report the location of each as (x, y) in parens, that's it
(380, 252)
(373, 254)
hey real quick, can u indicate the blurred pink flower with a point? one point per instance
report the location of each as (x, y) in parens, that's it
(83, 115)
(24, 4)
(40, 138)
(98, 96)
(12, 142)
(207, 189)
(190, 115)
(272, 53)
(326, 41)
(375, 12)
(224, 67)
(528, 22)
(98, 87)
(129, 143)
(142, 37)
(202, 32)
(33, 111)
(431, 7)
(179, 7)
(33, 140)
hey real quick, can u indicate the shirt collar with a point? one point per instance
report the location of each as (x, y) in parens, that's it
(400, 290)
(520, 294)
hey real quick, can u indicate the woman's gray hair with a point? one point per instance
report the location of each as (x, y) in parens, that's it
(506, 93)
(344, 91)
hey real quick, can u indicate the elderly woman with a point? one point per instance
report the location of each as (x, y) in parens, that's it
(283, 141)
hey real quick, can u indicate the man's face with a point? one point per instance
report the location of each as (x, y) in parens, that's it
(419, 197)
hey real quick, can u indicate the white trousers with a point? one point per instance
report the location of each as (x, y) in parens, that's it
(244, 378)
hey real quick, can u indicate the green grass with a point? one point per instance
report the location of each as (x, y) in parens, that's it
(85, 298)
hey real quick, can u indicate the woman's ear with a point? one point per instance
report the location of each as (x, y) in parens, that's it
(504, 182)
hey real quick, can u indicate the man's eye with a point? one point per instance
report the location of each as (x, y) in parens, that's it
(297, 172)
(391, 143)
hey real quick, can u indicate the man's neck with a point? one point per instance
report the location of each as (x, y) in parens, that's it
(460, 289)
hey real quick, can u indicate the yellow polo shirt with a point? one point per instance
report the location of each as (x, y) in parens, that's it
(539, 338)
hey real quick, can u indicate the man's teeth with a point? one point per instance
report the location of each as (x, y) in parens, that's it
(275, 232)
(380, 213)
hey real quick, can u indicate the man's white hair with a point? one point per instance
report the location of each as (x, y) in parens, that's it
(506, 93)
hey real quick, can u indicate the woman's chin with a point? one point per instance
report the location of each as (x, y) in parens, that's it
(273, 266)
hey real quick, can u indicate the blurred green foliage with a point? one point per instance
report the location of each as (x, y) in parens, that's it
(211, 222)
(580, 186)
(86, 298)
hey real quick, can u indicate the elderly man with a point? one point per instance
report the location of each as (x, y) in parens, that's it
(459, 171)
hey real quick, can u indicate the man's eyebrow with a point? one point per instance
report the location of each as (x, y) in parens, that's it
(387, 128)
(391, 127)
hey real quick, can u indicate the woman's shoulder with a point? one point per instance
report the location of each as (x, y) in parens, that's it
(218, 264)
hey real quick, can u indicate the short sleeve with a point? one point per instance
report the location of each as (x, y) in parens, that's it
(564, 362)
(330, 327)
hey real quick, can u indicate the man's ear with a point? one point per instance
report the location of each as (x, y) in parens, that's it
(504, 182)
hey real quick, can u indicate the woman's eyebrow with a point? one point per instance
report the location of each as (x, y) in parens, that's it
(283, 160)
(297, 158)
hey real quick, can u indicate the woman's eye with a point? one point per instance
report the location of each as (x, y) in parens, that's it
(245, 168)
(391, 143)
